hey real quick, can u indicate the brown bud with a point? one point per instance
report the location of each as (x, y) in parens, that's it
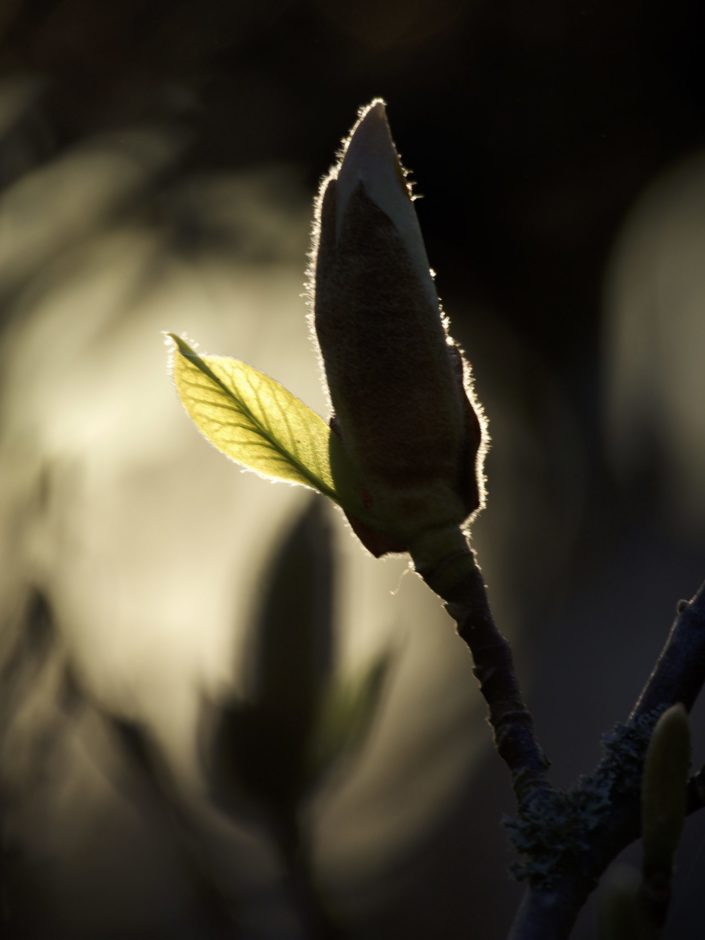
(399, 385)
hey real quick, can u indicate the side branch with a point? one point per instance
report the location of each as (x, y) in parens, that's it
(679, 672)
(548, 911)
(604, 808)
(458, 581)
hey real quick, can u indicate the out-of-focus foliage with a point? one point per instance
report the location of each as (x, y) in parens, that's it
(655, 335)
(257, 749)
(272, 748)
(346, 716)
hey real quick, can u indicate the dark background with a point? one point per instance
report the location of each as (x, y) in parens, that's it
(537, 127)
(557, 147)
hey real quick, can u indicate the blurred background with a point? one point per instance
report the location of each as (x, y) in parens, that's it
(157, 166)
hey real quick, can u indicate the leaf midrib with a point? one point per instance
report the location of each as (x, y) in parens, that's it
(203, 367)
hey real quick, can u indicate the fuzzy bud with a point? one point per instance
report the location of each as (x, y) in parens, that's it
(398, 384)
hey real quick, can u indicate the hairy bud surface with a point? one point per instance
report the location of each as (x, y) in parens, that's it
(398, 383)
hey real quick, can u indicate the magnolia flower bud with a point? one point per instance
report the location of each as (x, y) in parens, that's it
(398, 384)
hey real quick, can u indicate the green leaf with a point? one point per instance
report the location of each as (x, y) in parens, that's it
(254, 420)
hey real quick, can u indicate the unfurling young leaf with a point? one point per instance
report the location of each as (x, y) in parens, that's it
(346, 717)
(255, 421)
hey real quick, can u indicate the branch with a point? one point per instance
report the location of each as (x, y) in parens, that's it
(679, 672)
(569, 838)
(458, 580)
(548, 911)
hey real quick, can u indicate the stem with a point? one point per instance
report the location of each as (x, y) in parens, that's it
(313, 918)
(679, 672)
(458, 580)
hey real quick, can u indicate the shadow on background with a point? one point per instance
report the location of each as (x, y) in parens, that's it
(157, 166)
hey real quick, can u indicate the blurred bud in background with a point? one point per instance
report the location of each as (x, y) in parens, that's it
(654, 335)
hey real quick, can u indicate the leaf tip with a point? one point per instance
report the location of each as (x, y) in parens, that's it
(177, 343)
